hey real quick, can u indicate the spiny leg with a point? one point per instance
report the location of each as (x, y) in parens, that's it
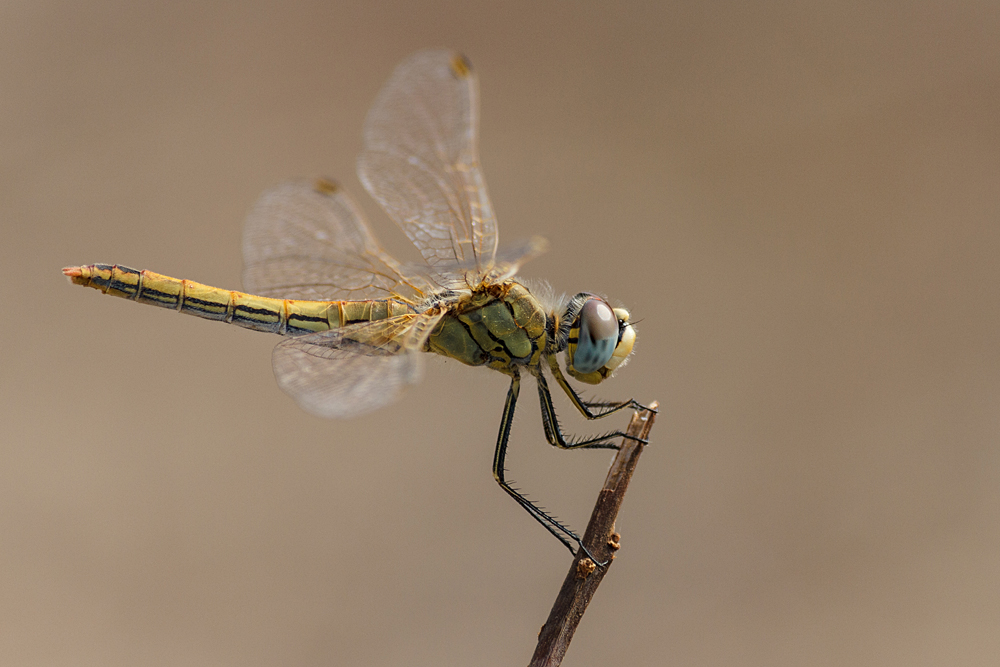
(554, 434)
(609, 407)
(549, 522)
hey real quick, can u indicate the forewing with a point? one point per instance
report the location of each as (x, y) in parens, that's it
(308, 240)
(420, 160)
(355, 369)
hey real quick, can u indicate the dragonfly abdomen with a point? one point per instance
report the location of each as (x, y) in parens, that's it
(281, 316)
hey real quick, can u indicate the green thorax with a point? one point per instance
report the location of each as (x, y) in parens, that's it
(499, 324)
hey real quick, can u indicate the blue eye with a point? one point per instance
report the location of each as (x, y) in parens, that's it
(598, 336)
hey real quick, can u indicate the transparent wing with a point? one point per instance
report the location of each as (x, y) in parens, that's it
(355, 369)
(511, 258)
(308, 240)
(420, 160)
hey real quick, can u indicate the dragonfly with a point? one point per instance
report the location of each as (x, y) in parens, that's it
(355, 321)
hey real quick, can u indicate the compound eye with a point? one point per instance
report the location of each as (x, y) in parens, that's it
(598, 336)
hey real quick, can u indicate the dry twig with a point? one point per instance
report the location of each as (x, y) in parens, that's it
(600, 539)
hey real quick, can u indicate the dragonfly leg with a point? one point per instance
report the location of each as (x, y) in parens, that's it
(555, 436)
(561, 532)
(605, 407)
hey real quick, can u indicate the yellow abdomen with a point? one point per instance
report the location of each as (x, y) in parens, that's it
(280, 316)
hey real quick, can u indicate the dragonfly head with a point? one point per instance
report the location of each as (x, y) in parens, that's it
(598, 340)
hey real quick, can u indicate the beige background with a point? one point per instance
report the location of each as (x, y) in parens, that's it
(799, 201)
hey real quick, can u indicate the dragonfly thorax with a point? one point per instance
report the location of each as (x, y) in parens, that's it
(500, 324)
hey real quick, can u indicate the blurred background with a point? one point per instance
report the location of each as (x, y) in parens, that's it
(798, 201)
